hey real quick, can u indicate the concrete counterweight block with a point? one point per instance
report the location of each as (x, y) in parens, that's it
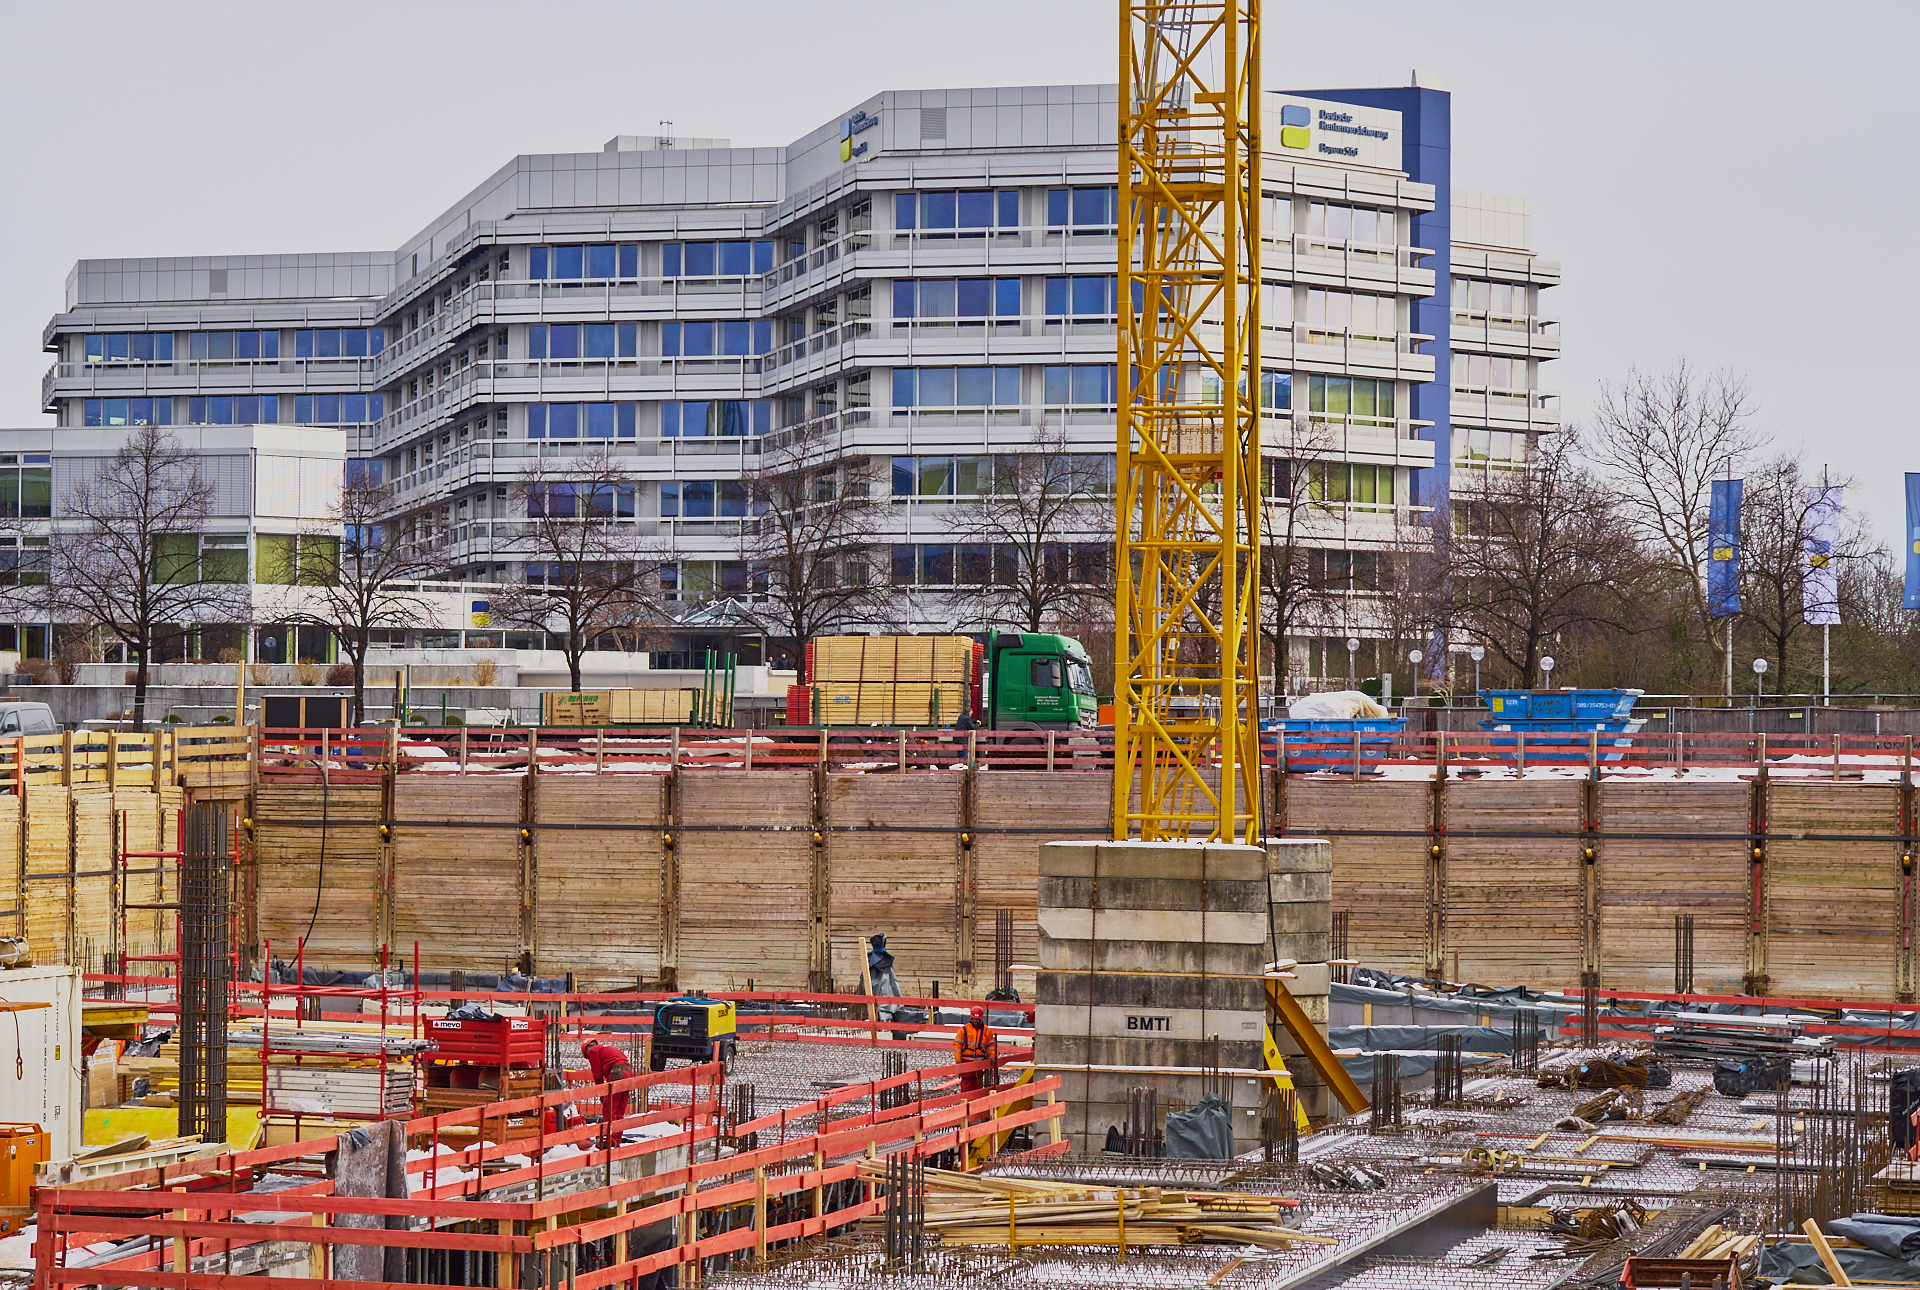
(1149, 951)
(1300, 892)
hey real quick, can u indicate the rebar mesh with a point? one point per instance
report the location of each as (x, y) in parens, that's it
(205, 944)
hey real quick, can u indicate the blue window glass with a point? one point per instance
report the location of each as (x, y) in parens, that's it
(903, 387)
(936, 566)
(762, 416)
(937, 297)
(96, 348)
(903, 297)
(326, 344)
(600, 420)
(537, 262)
(220, 411)
(735, 338)
(1006, 297)
(936, 387)
(736, 259)
(1057, 207)
(670, 498)
(1006, 387)
(696, 498)
(376, 340)
(600, 262)
(269, 409)
(697, 337)
(537, 341)
(1009, 202)
(1276, 390)
(1058, 293)
(976, 210)
(1090, 206)
(629, 340)
(302, 344)
(1092, 385)
(563, 421)
(140, 412)
(1090, 295)
(696, 419)
(1058, 386)
(670, 259)
(670, 420)
(973, 297)
(563, 341)
(303, 409)
(353, 343)
(938, 210)
(536, 420)
(219, 346)
(353, 408)
(117, 347)
(903, 477)
(623, 501)
(163, 346)
(376, 406)
(733, 418)
(140, 347)
(669, 339)
(700, 259)
(763, 335)
(567, 261)
(974, 387)
(629, 418)
(733, 498)
(600, 340)
(762, 257)
(326, 409)
(116, 411)
(905, 207)
(629, 260)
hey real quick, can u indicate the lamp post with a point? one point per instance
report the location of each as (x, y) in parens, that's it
(1477, 653)
(1353, 649)
(1759, 680)
(1414, 656)
(1546, 666)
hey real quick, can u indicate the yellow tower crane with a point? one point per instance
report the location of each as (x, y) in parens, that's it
(1187, 753)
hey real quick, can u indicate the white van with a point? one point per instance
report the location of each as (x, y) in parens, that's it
(27, 719)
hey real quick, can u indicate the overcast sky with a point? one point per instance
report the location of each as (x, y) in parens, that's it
(1729, 183)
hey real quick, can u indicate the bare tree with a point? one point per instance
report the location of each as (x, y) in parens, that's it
(1777, 520)
(1663, 439)
(352, 574)
(809, 543)
(1538, 553)
(1296, 586)
(584, 571)
(1036, 542)
(125, 552)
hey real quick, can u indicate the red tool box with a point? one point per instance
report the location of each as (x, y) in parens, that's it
(503, 1041)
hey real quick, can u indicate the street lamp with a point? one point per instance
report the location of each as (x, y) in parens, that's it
(1546, 665)
(1353, 648)
(1477, 653)
(1759, 680)
(1414, 656)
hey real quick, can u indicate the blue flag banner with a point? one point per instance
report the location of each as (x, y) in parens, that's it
(1723, 549)
(1820, 588)
(1912, 598)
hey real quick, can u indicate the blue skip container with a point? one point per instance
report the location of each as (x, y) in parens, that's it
(1575, 713)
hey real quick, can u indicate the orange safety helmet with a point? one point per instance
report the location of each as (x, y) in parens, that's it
(979, 1014)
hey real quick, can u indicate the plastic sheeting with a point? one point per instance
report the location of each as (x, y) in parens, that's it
(1390, 1039)
(1338, 705)
(1204, 1133)
(1785, 1263)
(1899, 1237)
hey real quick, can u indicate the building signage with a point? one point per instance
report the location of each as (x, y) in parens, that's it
(855, 124)
(1343, 131)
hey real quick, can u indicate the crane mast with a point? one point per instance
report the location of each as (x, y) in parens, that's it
(1187, 751)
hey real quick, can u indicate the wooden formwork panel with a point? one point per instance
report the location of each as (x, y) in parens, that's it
(597, 891)
(48, 871)
(1833, 915)
(1513, 882)
(745, 863)
(316, 865)
(1015, 814)
(893, 866)
(11, 895)
(1661, 859)
(1381, 880)
(457, 870)
(148, 881)
(94, 918)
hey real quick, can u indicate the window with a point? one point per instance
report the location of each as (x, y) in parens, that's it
(1082, 385)
(338, 409)
(947, 214)
(703, 499)
(1082, 297)
(26, 486)
(1361, 315)
(1487, 371)
(1362, 487)
(133, 347)
(232, 346)
(734, 259)
(582, 420)
(1048, 672)
(942, 476)
(1500, 449)
(1360, 224)
(345, 342)
(715, 418)
(1345, 570)
(1501, 298)
(571, 342)
(1276, 391)
(942, 298)
(598, 263)
(1083, 208)
(709, 339)
(956, 387)
(24, 561)
(205, 557)
(691, 578)
(594, 501)
(236, 410)
(1342, 398)
(129, 412)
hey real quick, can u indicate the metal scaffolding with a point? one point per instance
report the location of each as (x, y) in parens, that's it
(1189, 431)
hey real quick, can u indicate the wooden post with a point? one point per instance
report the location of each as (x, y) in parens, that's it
(866, 988)
(819, 1192)
(1051, 735)
(463, 750)
(113, 759)
(760, 1214)
(66, 757)
(1837, 1273)
(748, 736)
(1836, 759)
(823, 747)
(1053, 1122)
(600, 752)
(903, 750)
(673, 753)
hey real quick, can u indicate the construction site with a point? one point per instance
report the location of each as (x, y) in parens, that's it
(1186, 1000)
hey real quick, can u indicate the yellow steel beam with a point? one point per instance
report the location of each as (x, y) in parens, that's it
(1318, 1052)
(1188, 439)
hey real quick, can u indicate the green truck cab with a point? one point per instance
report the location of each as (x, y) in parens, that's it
(1038, 681)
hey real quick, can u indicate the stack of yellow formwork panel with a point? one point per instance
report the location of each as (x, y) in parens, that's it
(891, 680)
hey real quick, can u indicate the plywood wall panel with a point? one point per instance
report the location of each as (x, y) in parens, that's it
(597, 891)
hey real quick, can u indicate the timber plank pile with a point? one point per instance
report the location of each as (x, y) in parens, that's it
(975, 1209)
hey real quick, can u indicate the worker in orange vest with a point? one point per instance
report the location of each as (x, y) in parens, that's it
(975, 1042)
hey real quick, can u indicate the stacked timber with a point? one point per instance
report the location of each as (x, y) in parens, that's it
(975, 1209)
(891, 680)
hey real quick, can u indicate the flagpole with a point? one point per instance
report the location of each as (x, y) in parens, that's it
(1826, 658)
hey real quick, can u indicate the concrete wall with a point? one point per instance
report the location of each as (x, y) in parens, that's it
(1300, 912)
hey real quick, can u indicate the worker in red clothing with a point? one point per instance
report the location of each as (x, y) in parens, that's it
(975, 1042)
(608, 1064)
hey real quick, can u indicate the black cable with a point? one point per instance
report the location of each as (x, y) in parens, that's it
(320, 871)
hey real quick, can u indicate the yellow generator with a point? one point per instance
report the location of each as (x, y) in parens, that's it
(693, 1029)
